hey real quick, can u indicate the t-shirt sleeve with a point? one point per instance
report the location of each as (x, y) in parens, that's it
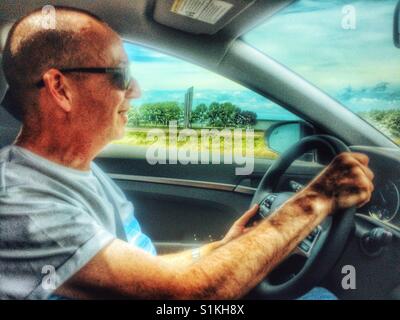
(43, 244)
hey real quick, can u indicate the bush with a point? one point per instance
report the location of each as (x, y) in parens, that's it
(133, 118)
(220, 115)
(223, 115)
(393, 123)
(160, 113)
(387, 121)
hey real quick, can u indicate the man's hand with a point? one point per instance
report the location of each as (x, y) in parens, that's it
(347, 181)
(239, 226)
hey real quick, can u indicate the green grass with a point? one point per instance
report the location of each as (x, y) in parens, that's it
(138, 137)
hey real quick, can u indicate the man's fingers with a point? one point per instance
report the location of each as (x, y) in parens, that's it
(242, 221)
(368, 172)
(361, 157)
(363, 177)
(364, 161)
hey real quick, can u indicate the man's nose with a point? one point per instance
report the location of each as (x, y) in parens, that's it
(133, 91)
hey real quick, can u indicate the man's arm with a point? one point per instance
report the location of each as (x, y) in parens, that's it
(230, 271)
(188, 257)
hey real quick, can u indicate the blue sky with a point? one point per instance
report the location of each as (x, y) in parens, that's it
(359, 67)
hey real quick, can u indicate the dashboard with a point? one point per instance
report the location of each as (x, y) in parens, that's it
(385, 202)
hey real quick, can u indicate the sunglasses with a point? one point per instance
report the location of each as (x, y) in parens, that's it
(120, 77)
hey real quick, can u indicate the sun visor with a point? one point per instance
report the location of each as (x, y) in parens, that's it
(198, 16)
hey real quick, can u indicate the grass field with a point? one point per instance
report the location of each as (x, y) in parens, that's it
(140, 137)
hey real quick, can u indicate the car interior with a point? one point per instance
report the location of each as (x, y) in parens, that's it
(184, 205)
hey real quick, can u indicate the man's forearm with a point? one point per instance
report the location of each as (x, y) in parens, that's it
(231, 270)
(187, 257)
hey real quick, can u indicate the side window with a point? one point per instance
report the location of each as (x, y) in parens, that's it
(177, 93)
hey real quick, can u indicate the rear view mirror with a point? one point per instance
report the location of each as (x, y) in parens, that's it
(396, 26)
(282, 135)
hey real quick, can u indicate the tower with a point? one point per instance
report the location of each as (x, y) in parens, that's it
(188, 106)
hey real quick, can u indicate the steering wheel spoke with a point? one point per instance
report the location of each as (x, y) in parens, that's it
(306, 246)
(266, 206)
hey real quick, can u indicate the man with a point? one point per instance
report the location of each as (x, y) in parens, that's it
(60, 213)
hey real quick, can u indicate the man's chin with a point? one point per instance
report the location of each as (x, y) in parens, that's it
(120, 134)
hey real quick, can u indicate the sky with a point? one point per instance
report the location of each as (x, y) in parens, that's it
(343, 47)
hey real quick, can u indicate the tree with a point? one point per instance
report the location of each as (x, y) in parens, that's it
(246, 119)
(133, 117)
(160, 113)
(200, 114)
(215, 115)
(222, 114)
(150, 113)
(392, 122)
(385, 120)
(172, 111)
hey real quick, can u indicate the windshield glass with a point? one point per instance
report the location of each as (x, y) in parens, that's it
(343, 47)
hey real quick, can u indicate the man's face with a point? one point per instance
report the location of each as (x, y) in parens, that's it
(101, 107)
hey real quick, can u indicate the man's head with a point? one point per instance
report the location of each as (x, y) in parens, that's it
(48, 98)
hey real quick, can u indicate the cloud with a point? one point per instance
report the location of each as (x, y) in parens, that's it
(382, 95)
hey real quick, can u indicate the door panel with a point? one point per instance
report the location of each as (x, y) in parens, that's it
(171, 213)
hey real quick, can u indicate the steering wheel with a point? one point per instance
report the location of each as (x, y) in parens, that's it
(316, 255)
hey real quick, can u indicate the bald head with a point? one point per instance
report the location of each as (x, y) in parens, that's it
(31, 49)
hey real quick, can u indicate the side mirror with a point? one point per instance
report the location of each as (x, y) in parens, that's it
(396, 26)
(282, 135)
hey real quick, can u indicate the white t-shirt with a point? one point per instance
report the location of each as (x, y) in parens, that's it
(53, 220)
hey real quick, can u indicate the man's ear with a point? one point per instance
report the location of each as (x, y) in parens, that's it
(58, 89)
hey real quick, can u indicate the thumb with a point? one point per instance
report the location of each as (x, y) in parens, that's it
(242, 221)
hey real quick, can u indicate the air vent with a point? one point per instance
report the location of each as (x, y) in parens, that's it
(198, 16)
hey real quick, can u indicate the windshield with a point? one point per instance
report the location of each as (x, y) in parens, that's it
(346, 49)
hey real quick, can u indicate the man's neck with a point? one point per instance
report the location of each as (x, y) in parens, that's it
(75, 152)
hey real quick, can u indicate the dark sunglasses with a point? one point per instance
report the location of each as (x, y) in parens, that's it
(120, 77)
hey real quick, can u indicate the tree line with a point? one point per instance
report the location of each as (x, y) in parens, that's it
(213, 115)
(228, 114)
(387, 121)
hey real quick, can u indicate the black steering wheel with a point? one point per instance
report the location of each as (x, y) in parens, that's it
(316, 255)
